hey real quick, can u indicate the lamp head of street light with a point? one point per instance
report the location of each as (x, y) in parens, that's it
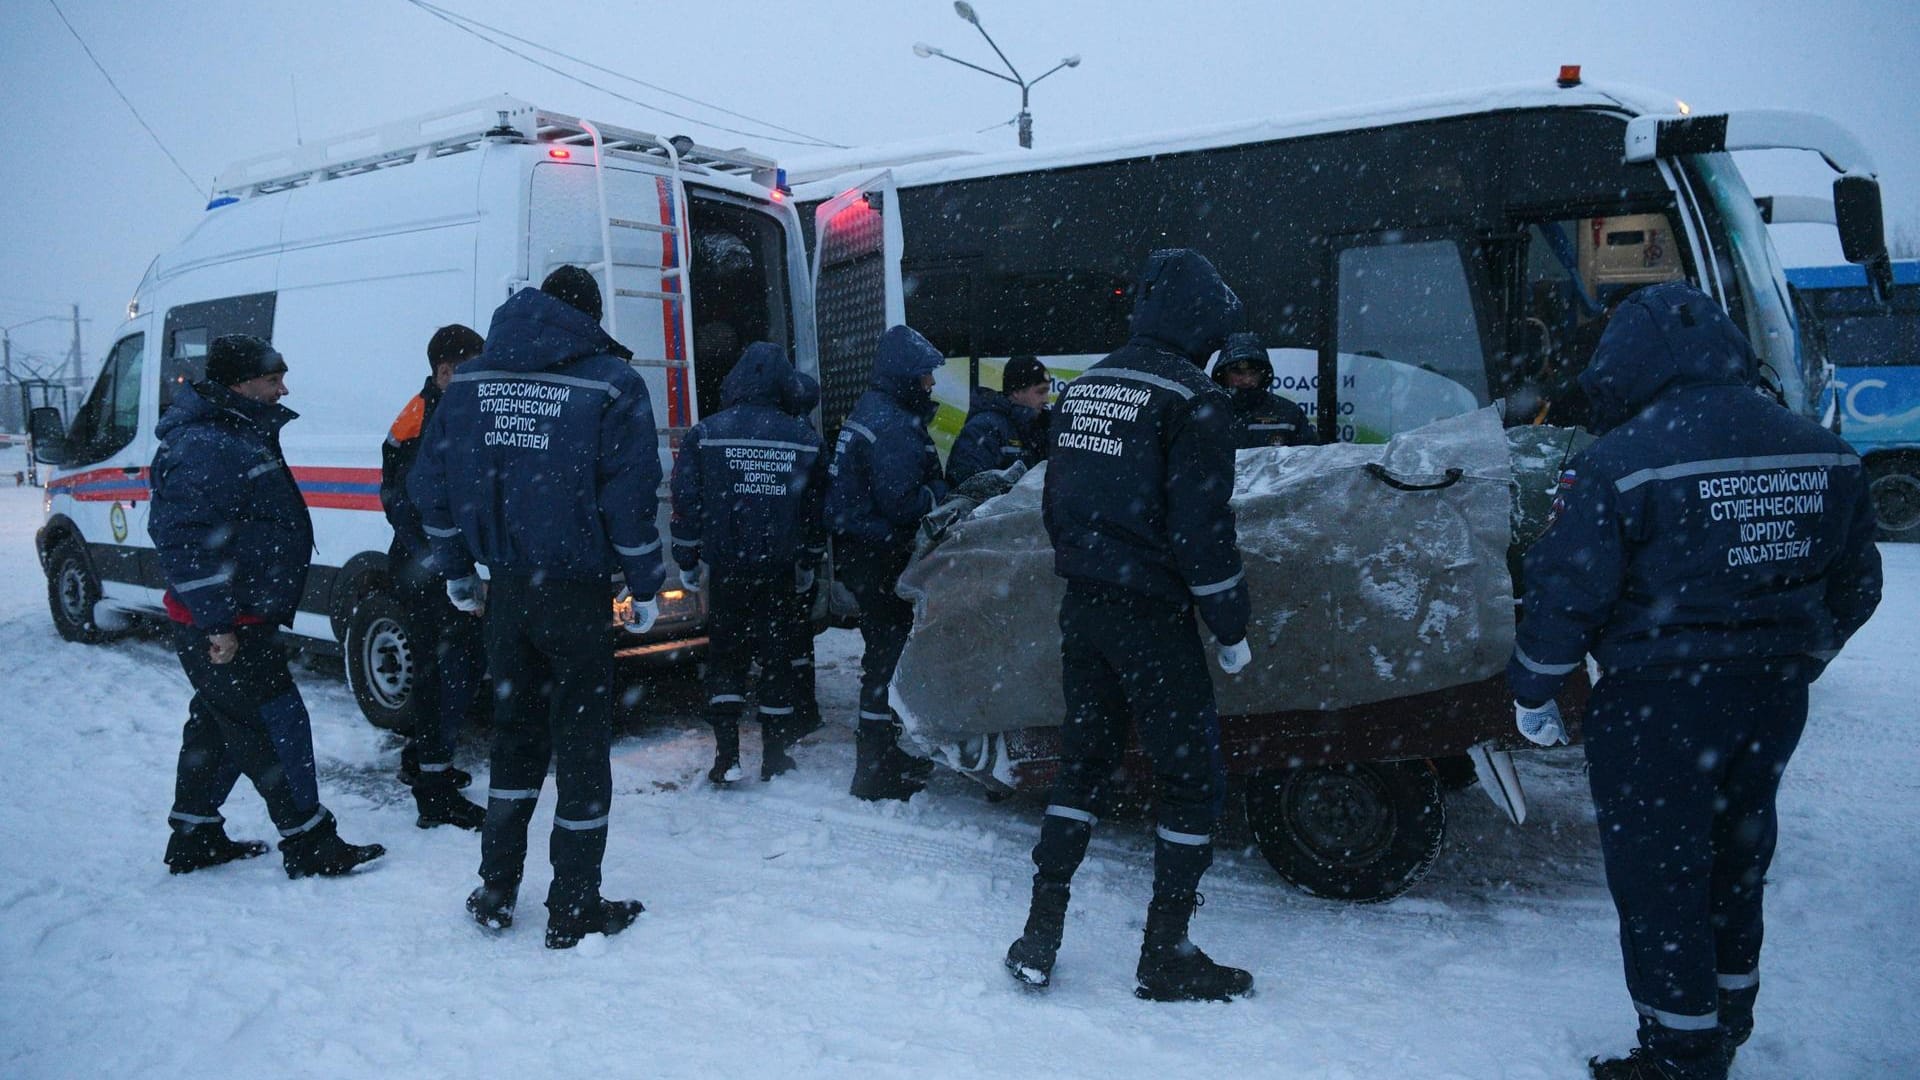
(1072, 61)
(923, 50)
(965, 11)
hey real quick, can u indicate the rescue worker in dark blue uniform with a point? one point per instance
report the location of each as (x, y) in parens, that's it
(747, 491)
(542, 463)
(233, 536)
(1136, 504)
(1713, 552)
(1004, 427)
(449, 657)
(802, 398)
(1245, 372)
(885, 478)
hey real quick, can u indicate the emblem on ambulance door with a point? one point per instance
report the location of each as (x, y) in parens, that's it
(117, 518)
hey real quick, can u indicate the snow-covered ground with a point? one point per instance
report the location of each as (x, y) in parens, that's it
(792, 931)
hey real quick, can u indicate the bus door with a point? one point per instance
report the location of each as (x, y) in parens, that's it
(856, 289)
(1409, 341)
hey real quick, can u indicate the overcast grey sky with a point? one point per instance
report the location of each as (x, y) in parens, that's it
(87, 198)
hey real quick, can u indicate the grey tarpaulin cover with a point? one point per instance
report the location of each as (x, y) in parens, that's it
(1372, 577)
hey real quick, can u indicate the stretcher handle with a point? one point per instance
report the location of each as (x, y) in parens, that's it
(1379, 472)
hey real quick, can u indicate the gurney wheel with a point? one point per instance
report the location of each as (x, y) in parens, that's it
(1361, 831)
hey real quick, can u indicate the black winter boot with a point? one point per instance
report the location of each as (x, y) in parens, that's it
(600, 916)
(410, 770)
(1172, 968)
(320, 851)
(441, 803)
(881, 770)
(774, 759)
(1736, 1018)
(207, 845)
(1666, 1053)
(726, 754)
(1030, 959)
(492, 905)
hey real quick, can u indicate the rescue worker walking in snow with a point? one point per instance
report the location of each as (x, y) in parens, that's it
(1137, 485)
(1004, 427)
(233, 536)
(449, 658)
(1713, 552)
(747, 490)
(885, 478)
(542, 464)
(1264, 418)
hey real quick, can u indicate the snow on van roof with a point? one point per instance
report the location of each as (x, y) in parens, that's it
(938, 160)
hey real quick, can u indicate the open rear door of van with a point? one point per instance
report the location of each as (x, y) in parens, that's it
(856, 289)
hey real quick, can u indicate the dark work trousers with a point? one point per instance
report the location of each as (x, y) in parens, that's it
(551, 654)
(1132, 661)
(449, 663)
(246, 717)
(870, 572)
(1684, 773)
(747, 616)
(799, 633)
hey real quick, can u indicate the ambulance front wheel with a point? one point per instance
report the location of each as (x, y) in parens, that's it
(380, 661)
(72, 591)
(1360, 831)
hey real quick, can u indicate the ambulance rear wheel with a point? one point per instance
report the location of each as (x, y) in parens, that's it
(1894, 483)
(72, 591)
(1361, 831)
(380, 661)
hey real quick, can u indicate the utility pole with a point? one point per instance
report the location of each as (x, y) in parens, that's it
(73, 354)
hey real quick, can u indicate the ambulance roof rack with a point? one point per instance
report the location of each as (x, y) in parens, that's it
(466, 127)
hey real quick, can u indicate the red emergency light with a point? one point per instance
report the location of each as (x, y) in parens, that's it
(559, 153)
(1569, 75)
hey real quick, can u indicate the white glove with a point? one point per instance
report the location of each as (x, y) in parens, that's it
(1236, 656)
(640, 613)
(469, 594)
(690, 579)
(802, 579)
(1541, 726)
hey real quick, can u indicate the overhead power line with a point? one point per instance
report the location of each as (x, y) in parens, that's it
(123, 98)
(474, 27)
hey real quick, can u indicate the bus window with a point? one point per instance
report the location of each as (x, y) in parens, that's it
(1407, 335)
(739, 290)
(111, 416)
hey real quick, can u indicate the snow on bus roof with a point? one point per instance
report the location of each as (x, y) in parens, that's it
(937, 160)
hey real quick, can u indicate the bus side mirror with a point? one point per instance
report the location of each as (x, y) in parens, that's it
(49, 436)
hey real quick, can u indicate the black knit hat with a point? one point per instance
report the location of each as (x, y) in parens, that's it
(235, 358)
(1020, 373)
(576, 287)
(453, 344)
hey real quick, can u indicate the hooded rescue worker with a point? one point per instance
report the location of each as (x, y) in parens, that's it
(885, 478)
(1137, 485)
(1713, 552)
(1004, 427)
(542, 464)
(802, 397)
(747, 493)
(449, 658)
(1245, 372)
(233, 536)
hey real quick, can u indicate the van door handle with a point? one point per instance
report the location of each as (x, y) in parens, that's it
(130, 470)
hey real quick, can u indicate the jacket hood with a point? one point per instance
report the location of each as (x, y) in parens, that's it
(759, 377)
(902, 358)
(1184, 304)
(1242, 348)
(802, 395)
(535, 332)
(1663, 338)
(205, 402)
(986, 399)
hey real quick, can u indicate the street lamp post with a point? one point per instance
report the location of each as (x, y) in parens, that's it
(965, 11)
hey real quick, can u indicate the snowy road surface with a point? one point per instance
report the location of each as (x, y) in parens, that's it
(792, 931)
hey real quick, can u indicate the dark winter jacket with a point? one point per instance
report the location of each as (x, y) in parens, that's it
(228, 521)
(1707, 530)
(1264, 418)
(1141, 468)
(885, 474)
(997, 434)
(407, 556)
(750, 481)
(542, 456)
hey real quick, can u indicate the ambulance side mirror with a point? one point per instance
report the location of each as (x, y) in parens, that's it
(49, 435)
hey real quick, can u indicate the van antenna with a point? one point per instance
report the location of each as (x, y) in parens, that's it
(294, 83)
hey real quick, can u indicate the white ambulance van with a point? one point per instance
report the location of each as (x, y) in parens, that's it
(347, 254)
